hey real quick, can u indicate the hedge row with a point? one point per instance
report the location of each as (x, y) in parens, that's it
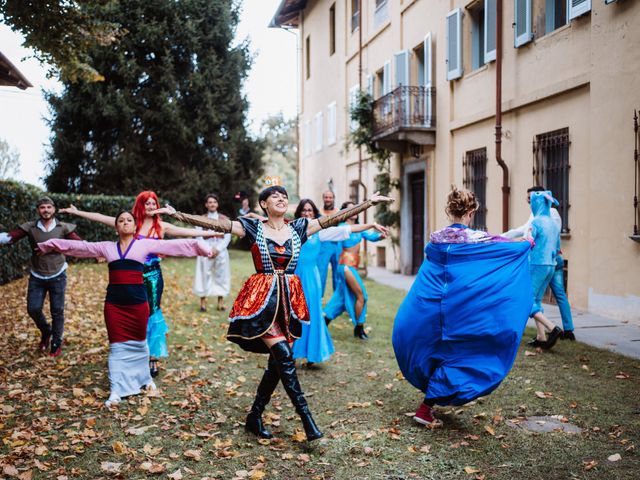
(17, 205)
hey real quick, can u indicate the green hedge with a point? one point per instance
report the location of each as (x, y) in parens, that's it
(17, 205)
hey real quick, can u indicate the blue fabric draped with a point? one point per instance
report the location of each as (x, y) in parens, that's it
(457, 333)
(315, 342)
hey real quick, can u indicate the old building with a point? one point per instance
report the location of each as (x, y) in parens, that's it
(570, 84)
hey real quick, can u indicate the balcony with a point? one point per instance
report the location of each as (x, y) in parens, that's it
(405, 116)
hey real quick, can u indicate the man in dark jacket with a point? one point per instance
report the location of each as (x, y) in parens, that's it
(48, 272)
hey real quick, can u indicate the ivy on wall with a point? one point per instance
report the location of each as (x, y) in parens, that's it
(361, 137)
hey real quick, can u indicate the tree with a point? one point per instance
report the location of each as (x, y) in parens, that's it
(280, 154)
(170, 114)
(9, 161)
(62, 32)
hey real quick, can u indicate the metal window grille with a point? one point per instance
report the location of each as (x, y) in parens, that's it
(475, 179)
(551, 168)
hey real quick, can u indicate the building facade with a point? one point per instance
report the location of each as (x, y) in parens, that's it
(570, 84)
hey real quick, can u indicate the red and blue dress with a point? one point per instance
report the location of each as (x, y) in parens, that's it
(126, 310)
(271, 303)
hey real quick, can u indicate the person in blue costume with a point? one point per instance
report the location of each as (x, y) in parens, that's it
(330, 252)
(270, 310)
(350, 294)
(457, 331)
(545, 233)
(315, 342)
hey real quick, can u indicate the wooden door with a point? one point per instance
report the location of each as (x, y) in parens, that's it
(417, 196)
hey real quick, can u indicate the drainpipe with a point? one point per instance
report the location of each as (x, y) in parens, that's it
(364, 187)
(505, 169)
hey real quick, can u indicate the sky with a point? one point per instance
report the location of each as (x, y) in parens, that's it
(270, 87)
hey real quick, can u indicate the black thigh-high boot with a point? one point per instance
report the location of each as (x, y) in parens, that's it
(287, 370)
(266, 387)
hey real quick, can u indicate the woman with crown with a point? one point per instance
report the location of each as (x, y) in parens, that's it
(270, 309)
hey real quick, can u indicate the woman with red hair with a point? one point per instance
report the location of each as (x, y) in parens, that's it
(151, 226)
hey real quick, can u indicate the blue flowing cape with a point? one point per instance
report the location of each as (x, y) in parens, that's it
(458, 330)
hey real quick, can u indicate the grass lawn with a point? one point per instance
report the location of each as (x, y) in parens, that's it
(53, 424)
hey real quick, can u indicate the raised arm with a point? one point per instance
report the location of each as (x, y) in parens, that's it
(220, 225)
(93, 216)
(9, 238)
(75, 248)
(342, 215)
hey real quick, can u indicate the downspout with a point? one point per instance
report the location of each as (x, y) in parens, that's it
(505, 169)
(360, 182)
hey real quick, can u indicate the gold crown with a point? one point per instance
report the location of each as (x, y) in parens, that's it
(270, 181)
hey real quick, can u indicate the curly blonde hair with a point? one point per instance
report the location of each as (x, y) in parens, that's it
(460, 201)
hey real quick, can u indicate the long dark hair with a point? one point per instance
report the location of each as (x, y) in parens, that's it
(122, 212)
(303, 203)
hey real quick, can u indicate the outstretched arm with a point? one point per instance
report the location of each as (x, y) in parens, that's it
(93, 216)
(179, 248)
(342, 215)
(175, 231)
(75, 248)
(219, 225)
(12, 237)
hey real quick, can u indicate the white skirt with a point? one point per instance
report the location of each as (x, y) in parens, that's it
(213, 276)
(128, 368)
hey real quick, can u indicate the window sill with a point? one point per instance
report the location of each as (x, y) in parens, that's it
(635, 238)
(554, 33)
(477, 71)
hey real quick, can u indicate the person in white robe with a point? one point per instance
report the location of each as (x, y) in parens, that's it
(213, 275)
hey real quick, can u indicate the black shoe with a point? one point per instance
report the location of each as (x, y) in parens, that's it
(45, 338)
(266, 387)
(568, 335)
(154, 371)
(360, 333)
(535, 343)
(552, 338)
(203, 309)
(288, 376)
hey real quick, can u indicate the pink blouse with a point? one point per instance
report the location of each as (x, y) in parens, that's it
(137, 251)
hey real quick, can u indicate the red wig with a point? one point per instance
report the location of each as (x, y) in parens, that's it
(140, 213)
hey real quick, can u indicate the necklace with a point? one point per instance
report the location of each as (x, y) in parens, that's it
(275, 228)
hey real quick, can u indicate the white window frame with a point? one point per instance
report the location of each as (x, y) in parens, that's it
(489, 6)
(527, 35)
(577, 8)
(331, 123)
(386, 78)
(381, 14)
(353, 95)
(428, 75)
(456, 72)
(307, 146)
(370, 84)
(402, 61)
(319, 131)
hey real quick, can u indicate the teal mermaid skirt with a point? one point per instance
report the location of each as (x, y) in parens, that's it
(157, 326)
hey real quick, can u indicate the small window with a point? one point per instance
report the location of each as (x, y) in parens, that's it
(353, 98)
(454, 44)
(308, 56)
(475, 179)
(306, 147)
(331, 123)
(551, 168)
(355, 15)
(522, 22)
(381, 13)
(319, 131)
(555, 14)
(578, 7)
(332, 29)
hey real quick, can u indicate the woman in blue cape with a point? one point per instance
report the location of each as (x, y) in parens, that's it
(457, 332)
(315, 342)
(350, 295)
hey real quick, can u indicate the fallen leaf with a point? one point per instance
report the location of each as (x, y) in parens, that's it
(490, 430)
(111, 467)
(528, 353)
(615, 457)
(119, 448)
(470, 470)
(177, 475)
(193, 454)
(10, 470)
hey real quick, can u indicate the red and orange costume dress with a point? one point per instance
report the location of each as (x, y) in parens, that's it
(271, 303)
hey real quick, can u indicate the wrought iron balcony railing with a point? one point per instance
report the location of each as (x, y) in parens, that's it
(404, 109)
